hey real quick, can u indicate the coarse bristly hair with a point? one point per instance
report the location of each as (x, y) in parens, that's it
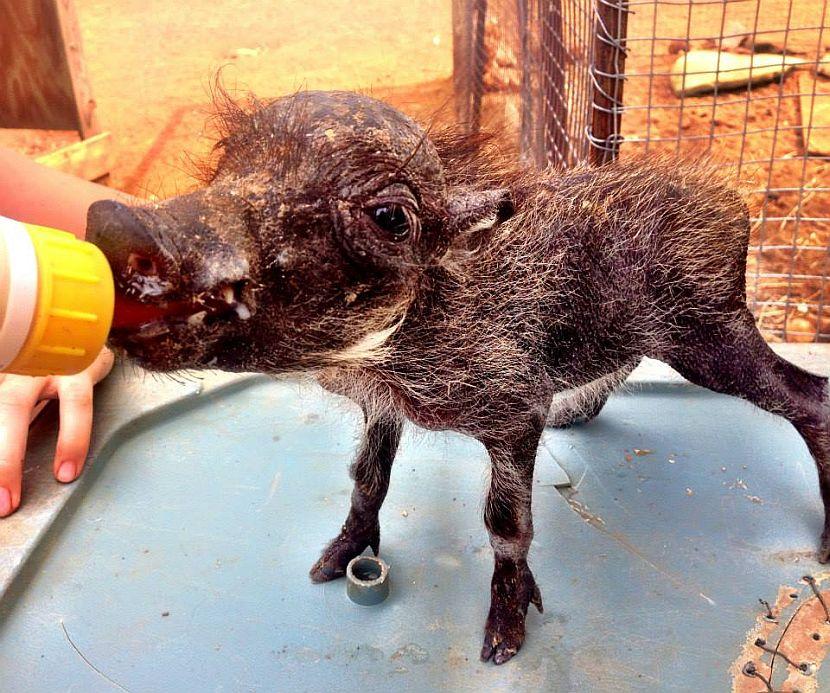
(526, 288)
(596, 268)
(513, 280)
(674, 233)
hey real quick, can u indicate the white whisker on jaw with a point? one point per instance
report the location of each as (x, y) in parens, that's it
(371, 347)
(483, 224)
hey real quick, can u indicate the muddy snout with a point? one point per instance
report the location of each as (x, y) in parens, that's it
(143, 264)
(169, 268)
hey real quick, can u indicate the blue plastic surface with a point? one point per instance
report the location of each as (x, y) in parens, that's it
(183, 563)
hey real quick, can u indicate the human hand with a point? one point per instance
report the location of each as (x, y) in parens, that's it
(19, 398)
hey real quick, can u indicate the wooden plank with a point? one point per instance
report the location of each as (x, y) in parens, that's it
(814, 99)
(82, 92)
(43, 81)
(90, 158)
(35, 83)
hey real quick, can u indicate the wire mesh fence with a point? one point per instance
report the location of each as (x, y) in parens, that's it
(744, 81)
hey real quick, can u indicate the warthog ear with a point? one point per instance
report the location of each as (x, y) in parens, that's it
(476, 210)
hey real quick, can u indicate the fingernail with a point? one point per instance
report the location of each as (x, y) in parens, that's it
(5, 502)
(66, 472)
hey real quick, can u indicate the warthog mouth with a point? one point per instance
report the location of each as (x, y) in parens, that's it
(143, 316)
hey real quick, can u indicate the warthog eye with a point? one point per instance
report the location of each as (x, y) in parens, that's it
(394, 219)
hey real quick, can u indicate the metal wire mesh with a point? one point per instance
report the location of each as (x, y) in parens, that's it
(575, 81)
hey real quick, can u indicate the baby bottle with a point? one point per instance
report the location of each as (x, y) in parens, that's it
(56, 300)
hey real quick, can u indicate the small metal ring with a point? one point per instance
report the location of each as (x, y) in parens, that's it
(367, 580)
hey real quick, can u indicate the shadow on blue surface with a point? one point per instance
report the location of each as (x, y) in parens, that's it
(183, 566)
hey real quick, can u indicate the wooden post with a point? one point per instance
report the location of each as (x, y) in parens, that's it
(479, 62)
(469, 60)
(461, 59)
(528, 149)
(554, 106)
(608, 74)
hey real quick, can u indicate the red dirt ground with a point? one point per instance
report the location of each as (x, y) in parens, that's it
(790, 307)
(795, 307)
(152, 62)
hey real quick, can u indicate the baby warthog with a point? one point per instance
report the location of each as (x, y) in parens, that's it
(420, 277)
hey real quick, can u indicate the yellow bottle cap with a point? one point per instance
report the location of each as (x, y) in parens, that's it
(60, 298)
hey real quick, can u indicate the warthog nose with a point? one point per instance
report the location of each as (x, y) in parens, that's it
(126, 240)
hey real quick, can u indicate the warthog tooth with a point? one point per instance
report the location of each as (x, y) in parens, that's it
(197, 318)
(153, 329)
